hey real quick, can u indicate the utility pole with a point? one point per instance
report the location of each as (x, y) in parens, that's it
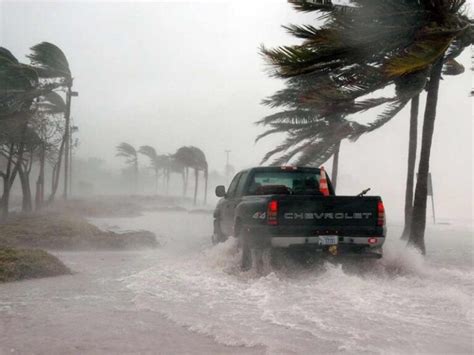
(67, 136)
(227, 166)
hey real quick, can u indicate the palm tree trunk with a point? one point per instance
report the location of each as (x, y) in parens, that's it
(418, 224)
(6, 183)
(335, 166)
(196, 181)
(5, 199)
(186, 179)
(412, 143)
(135, 170)
(56, 172)
(206, 177)
(39, 195)
(26, 190)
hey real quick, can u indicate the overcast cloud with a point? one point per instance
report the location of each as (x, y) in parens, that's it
(188, 73)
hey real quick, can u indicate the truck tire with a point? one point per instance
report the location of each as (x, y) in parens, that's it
(252, 254)
(246, 259)
(217, 235)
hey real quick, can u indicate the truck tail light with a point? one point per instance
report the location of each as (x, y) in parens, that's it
(272, 213)
(380, 214)
(372, 240)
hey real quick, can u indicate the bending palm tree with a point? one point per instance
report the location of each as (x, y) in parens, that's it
(199, 164)
(150, 152)
(194, 158)
(50, 62)
(128, 152)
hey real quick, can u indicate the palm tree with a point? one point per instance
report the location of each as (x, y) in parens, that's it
(185, 157)
(172, 165)
(412, 143)
(128, 152)
(369, 38)
(194, 158)
(51, 63)
(22, 91)
(156, 161)
(451, 67)
(47, 108)
(19, 85)
(316, 122)
(199, 164)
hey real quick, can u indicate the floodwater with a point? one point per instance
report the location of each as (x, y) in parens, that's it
(189, 296)
(404, 304)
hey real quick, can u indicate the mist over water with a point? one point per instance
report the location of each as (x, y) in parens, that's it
(404, 303)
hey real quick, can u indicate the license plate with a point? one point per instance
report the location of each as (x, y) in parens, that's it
(328, 239)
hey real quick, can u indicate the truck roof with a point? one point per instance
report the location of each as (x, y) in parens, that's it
(283, 168)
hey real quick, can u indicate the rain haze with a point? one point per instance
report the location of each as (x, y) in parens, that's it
(169, 74)
(155, 73)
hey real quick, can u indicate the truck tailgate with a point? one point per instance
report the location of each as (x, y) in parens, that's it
(330, 212)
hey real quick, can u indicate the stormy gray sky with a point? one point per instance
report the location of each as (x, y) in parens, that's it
(173, 73)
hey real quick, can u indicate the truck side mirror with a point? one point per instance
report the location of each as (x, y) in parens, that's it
(220, 191)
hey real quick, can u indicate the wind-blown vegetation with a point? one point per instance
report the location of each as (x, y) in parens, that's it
(34, 121)
(339, 68)
(163, 165)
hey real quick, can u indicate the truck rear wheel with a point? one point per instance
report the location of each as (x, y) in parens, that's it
(252, 254)
(246, 259)
(217, 235)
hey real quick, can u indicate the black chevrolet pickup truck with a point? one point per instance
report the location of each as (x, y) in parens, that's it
(296, 207)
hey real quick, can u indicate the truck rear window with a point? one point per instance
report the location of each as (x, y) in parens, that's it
(284, 183)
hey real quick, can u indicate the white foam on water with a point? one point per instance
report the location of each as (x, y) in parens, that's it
(403, 303)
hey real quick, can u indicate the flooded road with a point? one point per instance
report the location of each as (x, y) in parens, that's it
(189, 296)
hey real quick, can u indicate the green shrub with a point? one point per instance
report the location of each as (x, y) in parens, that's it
(19, 264)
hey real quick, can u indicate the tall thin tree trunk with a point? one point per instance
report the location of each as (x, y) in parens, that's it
(206, 177)
(56, 173)
(39, 195)
(6, 183)
(183, 174)
(5, 198)
(196, 182)
(335, 166)
(66, 139)
(418, 224)
(135, 168)
(186, 179)
(412, 144)
(26, 205)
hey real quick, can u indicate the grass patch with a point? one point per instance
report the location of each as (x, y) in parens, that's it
(67, 232)
(20, 264)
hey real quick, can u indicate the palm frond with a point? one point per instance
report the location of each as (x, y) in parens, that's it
(52, 103)
(50, 61)
(127, 151)
(420, 55)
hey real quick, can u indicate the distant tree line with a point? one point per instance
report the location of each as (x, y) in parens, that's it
(181, 162)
